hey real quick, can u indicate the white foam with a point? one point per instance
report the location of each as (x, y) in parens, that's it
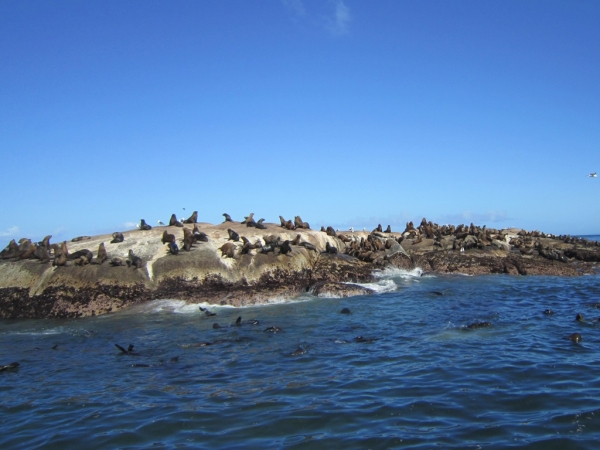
(394, 272)
(384, 285)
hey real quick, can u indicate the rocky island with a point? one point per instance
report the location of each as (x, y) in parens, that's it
(249, 262)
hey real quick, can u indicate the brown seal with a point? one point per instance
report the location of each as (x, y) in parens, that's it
(117, 237)
(167, 237)
(227, 218)
(173, 222)
(144, 226)
(134, 260)
(228, 250)
(233, 236)
(285, 248)
(193, 218)
(102, 255)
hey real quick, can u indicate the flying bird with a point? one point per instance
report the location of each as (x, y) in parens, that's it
(593, 175)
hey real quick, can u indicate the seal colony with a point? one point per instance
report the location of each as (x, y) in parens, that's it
(250, 262)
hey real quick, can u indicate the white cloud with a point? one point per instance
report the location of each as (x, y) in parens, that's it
(130, 225)
(337, 22)
(10, 232)
(341, 19)
(295, 6)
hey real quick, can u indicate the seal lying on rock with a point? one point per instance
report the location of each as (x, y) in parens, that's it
(192, 219)
(228, 250)
(233, 236)
(167, 237)
(144, 226)
(134, 260)
(173, 222)
(330, 248)
(117, 237)
(173, 248)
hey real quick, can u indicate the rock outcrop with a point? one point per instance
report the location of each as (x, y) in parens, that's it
(271, 261)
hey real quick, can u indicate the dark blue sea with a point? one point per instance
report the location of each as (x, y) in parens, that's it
(418, 377)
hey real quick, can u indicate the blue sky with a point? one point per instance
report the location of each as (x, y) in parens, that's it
(348, 113)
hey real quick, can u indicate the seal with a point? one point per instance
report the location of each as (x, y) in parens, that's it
(117, 237)
(134, 260)
(233, 236)
(173, 222)
(129, 350)
(228, 250)
(173, 248)
(206, 312)
(283, 222)
(330, 248)
(579, 318)
(227, 218)
(102, 255)
(200, 236)
(548, 312)
(167, 237)
(296, 240)
(285, 248)
(144, 226)
(388, 229)
(249, 221)
(345, 311)
(193, 218)
(272, 330)
(11, 366)
(308, 246)
(575, 338)
(260, 225)
(41, 253)
(10, 250)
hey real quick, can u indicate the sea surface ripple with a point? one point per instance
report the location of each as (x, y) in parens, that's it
(418, 378)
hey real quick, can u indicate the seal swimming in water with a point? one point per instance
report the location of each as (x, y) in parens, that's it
(233, 236)
(272, 330)
(11, 366)
(345, 311)
(206, 312)
(129, 350)
(548, 312)
(575, 338)
(193, 218)
(117, 237)
(579, 318)
(144, 226)
(173, 222)
(227, 218)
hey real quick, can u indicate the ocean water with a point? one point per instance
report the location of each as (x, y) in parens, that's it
(418, 378)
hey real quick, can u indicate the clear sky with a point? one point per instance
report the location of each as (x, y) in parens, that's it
(346, 112)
